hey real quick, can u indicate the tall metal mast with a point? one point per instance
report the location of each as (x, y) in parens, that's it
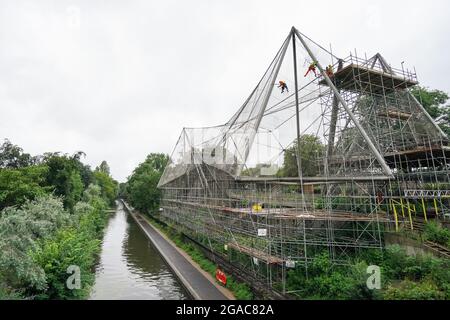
(297, 116)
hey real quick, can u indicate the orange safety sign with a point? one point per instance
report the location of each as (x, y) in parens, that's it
(221, 277)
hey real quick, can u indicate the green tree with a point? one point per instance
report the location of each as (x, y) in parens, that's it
(435, 103)
(74, 189)
(141, 189)
(64, 176)
(432, 100)
(311, 150)
(12, 156)
(122, 190)
(156, 161)
(109, 187)
(143, 192)
(19, 185)
(104, 168)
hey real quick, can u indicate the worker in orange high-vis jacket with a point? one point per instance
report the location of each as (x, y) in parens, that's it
(330, 71)
(283, 86)
(312, 67)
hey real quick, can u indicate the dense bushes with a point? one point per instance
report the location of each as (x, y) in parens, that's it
(77, 244)
(20, 228)
(402, 276)
(436, 233)
(409, 290)
(40, 240)
(325, 281)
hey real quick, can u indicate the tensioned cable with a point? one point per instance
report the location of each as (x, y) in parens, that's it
(319, 45)
(290, 105)
(236, 115)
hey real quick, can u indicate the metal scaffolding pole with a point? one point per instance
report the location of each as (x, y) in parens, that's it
(261, 223)
(372, 147)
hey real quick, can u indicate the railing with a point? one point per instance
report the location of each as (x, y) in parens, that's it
(401, 73)
(427, 194)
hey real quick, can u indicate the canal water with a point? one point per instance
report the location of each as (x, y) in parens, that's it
(130, 267)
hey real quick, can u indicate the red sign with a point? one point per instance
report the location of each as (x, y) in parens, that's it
(221, 277)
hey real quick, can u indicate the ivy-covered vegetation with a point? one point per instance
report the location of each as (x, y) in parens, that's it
(402, 277)
(434, 232)
(52, 214)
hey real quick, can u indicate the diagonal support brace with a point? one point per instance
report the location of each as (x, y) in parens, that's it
(366, 137)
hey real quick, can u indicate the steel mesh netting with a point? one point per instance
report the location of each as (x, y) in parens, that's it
(227, 187)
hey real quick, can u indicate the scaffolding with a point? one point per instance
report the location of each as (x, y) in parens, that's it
(330, 165)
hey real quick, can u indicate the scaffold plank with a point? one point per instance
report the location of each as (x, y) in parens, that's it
(253, 252)
(359, 78)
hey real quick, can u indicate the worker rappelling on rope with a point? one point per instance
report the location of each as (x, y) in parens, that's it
(283, 86)
(312, 67)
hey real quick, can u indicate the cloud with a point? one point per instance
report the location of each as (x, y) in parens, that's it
(119, 79)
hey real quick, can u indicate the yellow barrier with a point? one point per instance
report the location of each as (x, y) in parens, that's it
(424, 210)
(409, 213)
(436, 207)
(402, 206)
(395, 215)
(403, 209)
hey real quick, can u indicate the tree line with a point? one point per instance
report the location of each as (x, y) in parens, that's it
(141, 190)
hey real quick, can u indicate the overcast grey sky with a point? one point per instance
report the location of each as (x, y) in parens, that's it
(120, 79)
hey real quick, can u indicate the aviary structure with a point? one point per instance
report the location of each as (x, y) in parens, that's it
(329, 165)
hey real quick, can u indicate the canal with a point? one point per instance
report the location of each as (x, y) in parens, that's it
(130, 267)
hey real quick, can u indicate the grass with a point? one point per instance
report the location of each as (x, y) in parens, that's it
(240, 290)
(434, 232)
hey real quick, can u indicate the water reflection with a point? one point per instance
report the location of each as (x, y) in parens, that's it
(130, 267)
